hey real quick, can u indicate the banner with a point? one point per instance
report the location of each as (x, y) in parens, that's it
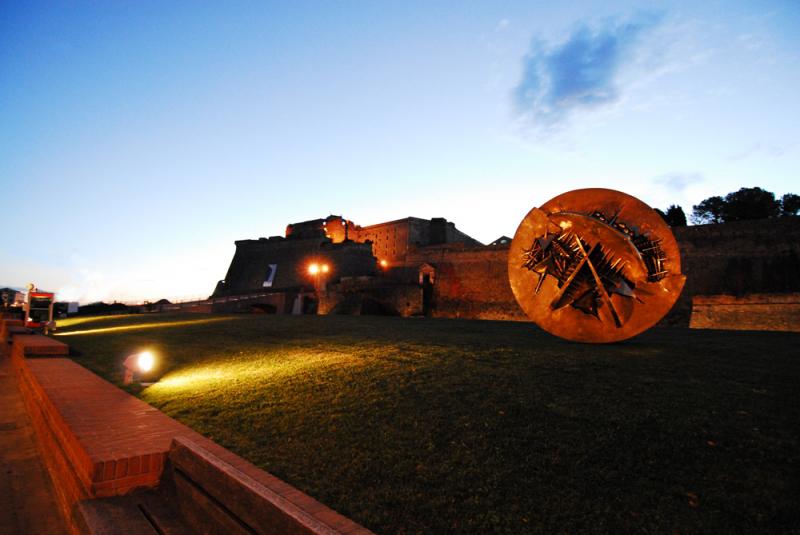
(270, 276)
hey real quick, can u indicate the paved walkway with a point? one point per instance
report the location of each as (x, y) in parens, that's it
(27, 499)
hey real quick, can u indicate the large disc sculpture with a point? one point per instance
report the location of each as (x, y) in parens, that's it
(595, 265)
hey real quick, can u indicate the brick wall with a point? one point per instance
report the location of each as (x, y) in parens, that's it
(738, 258)
(389, 240)
(68, 486)
(7, 324)
(352, 297)
(470, 282)
(762, 312)
(97, 441)
(734, 258)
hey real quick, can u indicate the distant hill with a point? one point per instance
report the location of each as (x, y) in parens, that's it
(103, 308)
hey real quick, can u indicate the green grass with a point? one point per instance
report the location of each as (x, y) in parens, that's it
(430, 426)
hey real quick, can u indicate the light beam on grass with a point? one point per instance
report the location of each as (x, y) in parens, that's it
(143, 326)
(68, 323)
(258, 368)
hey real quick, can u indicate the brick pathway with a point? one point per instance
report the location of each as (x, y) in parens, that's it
(27, 500)
(104, 442)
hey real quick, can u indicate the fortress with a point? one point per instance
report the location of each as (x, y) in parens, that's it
(416, 266)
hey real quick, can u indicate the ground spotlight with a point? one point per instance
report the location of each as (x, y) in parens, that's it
(138, 362)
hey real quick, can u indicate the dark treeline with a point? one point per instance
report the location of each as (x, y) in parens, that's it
(745, 204)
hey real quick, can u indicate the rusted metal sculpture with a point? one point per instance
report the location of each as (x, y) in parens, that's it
(595, 265)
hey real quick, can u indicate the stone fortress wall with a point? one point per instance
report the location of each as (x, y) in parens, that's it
(432, 268)
(743, 274)
(251, 263)
(471, 282)
(741, 257)
(369, 262)
(764, 312)
(733, 259)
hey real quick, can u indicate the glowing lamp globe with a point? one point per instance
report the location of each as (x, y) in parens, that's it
(145, 361)
(141, 362)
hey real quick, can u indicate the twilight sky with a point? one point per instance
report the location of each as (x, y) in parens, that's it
(139, 139)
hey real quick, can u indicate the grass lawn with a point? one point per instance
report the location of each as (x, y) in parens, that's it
(431, 426)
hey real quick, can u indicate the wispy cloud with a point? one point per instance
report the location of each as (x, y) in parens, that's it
(762, 150)
(578, 73)
(678, 182)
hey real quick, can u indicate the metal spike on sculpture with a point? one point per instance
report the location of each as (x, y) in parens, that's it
(595, 265)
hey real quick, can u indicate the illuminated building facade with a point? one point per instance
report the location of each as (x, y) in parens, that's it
(358, 257)
(416, 266)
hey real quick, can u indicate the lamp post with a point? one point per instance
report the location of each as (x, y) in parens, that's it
(318, 270)
(324, 270)
(313, 270)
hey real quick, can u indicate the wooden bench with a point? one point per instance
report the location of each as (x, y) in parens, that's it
(144, 513)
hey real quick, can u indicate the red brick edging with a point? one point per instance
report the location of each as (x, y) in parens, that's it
(100, 441)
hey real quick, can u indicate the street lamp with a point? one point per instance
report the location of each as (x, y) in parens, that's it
(316, 270)
(138, 362)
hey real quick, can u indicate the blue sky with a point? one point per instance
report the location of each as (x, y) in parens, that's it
(138, 140)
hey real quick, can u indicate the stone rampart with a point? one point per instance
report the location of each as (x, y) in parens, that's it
(360, 299)
(470, 282)
(251, 264)
(761, 312)
(739, 258)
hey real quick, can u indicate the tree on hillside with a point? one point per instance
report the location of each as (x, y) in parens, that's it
(675, 216)
(790, 205)
(745, 204)
(709, 211)
(750, 203)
